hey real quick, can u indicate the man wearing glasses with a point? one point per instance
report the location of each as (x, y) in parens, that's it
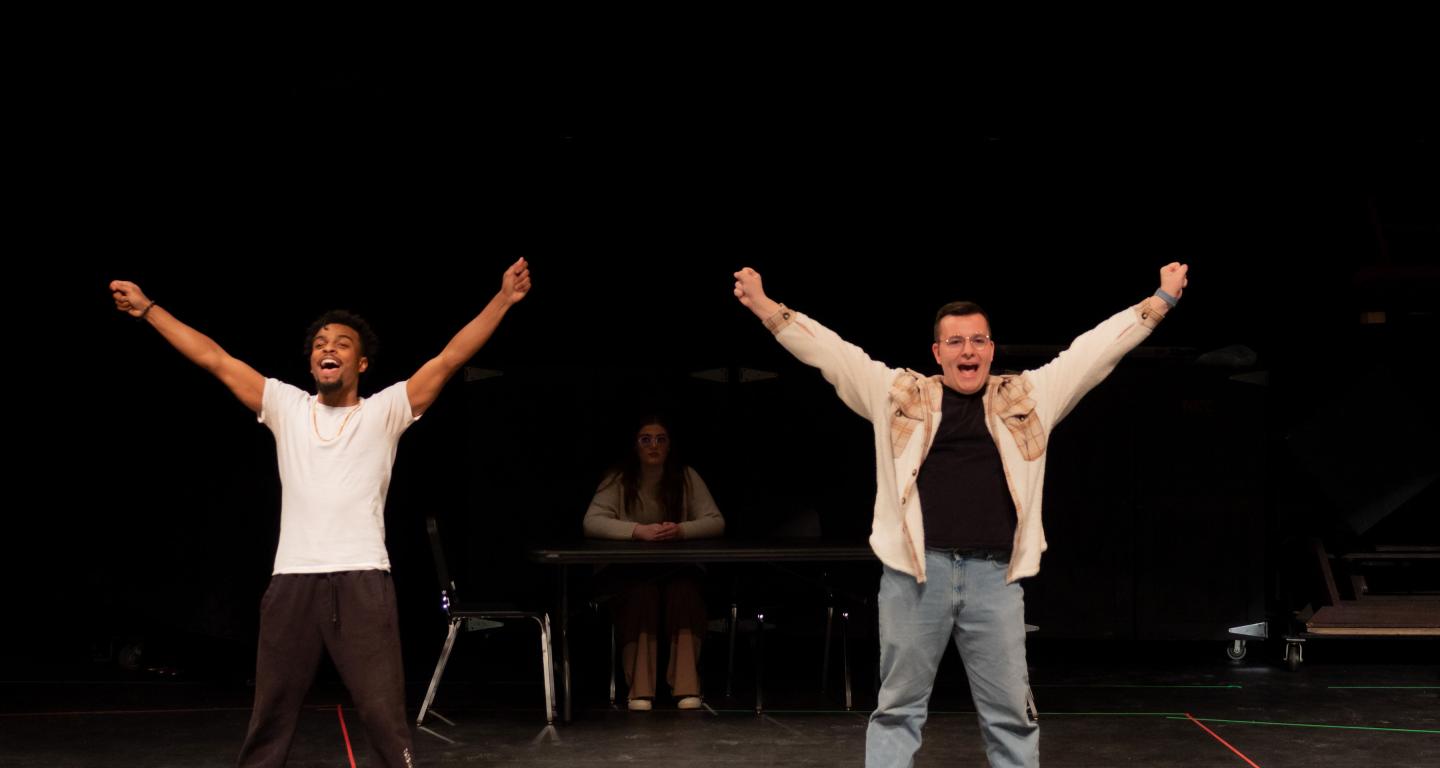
(960, 469)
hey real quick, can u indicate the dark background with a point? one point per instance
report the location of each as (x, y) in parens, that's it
(249, 180)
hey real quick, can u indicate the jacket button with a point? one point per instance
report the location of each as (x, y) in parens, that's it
(914, 472)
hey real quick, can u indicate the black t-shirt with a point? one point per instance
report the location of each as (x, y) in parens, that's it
(963, 494)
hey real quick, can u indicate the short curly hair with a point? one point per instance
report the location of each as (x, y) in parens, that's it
(369, 342)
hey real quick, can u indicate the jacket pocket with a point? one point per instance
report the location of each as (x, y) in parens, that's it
(908, 398)
(902, 428)
(1016, 410)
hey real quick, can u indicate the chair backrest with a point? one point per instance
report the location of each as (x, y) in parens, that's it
(437, 550)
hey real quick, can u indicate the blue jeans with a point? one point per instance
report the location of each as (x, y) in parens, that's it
(967, 599)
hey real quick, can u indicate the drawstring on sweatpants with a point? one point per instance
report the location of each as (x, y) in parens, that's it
(334, 600)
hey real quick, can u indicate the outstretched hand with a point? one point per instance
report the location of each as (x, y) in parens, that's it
(1173, 278)
(515, 285)
(129, 298)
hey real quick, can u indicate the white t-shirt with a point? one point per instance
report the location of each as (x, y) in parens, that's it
(334, 473)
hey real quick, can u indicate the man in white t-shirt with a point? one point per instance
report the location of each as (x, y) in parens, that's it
(331, 589)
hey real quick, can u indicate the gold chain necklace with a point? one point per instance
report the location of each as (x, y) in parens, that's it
(316, 426)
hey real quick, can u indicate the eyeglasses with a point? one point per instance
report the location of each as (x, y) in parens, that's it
(980, 341)
(649, 440)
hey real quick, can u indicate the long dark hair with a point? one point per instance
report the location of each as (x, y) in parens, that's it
(672, 475)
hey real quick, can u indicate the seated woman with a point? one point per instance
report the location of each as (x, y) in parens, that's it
(652, 496)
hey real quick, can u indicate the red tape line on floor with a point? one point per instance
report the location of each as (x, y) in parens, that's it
(351, 753)
(1192, 719)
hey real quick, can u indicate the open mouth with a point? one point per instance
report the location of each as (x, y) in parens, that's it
(329, 364)
(965, 368)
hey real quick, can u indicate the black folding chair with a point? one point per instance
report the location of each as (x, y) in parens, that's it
(478, 616)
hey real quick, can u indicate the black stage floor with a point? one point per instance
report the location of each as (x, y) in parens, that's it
(1100, 711)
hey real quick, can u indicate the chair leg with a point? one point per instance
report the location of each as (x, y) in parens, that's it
(548, 671)
(551, 711)
(845, 657)
(825, 653)
(439, 670)
(759, 662)
(730, 663)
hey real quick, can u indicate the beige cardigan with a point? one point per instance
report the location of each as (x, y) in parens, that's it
(1020, 410)
(607, 519)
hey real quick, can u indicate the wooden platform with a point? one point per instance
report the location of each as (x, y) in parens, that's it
(1379, 617)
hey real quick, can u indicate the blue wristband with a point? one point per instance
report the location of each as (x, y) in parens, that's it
(1165, 297)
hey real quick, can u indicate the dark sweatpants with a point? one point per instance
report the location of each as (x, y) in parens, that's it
(352, 615)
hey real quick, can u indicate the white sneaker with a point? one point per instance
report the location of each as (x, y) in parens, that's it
(640, 705)
(689, 702)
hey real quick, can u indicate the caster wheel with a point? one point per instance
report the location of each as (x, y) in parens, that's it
(1292, 656)
(1236, 650)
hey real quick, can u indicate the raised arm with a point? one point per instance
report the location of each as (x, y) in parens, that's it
(243, 381)
(425, 385)
(1094, 354)
(862, 383)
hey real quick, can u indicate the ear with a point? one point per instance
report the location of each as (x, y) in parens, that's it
(935, 350)
(364, 363)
